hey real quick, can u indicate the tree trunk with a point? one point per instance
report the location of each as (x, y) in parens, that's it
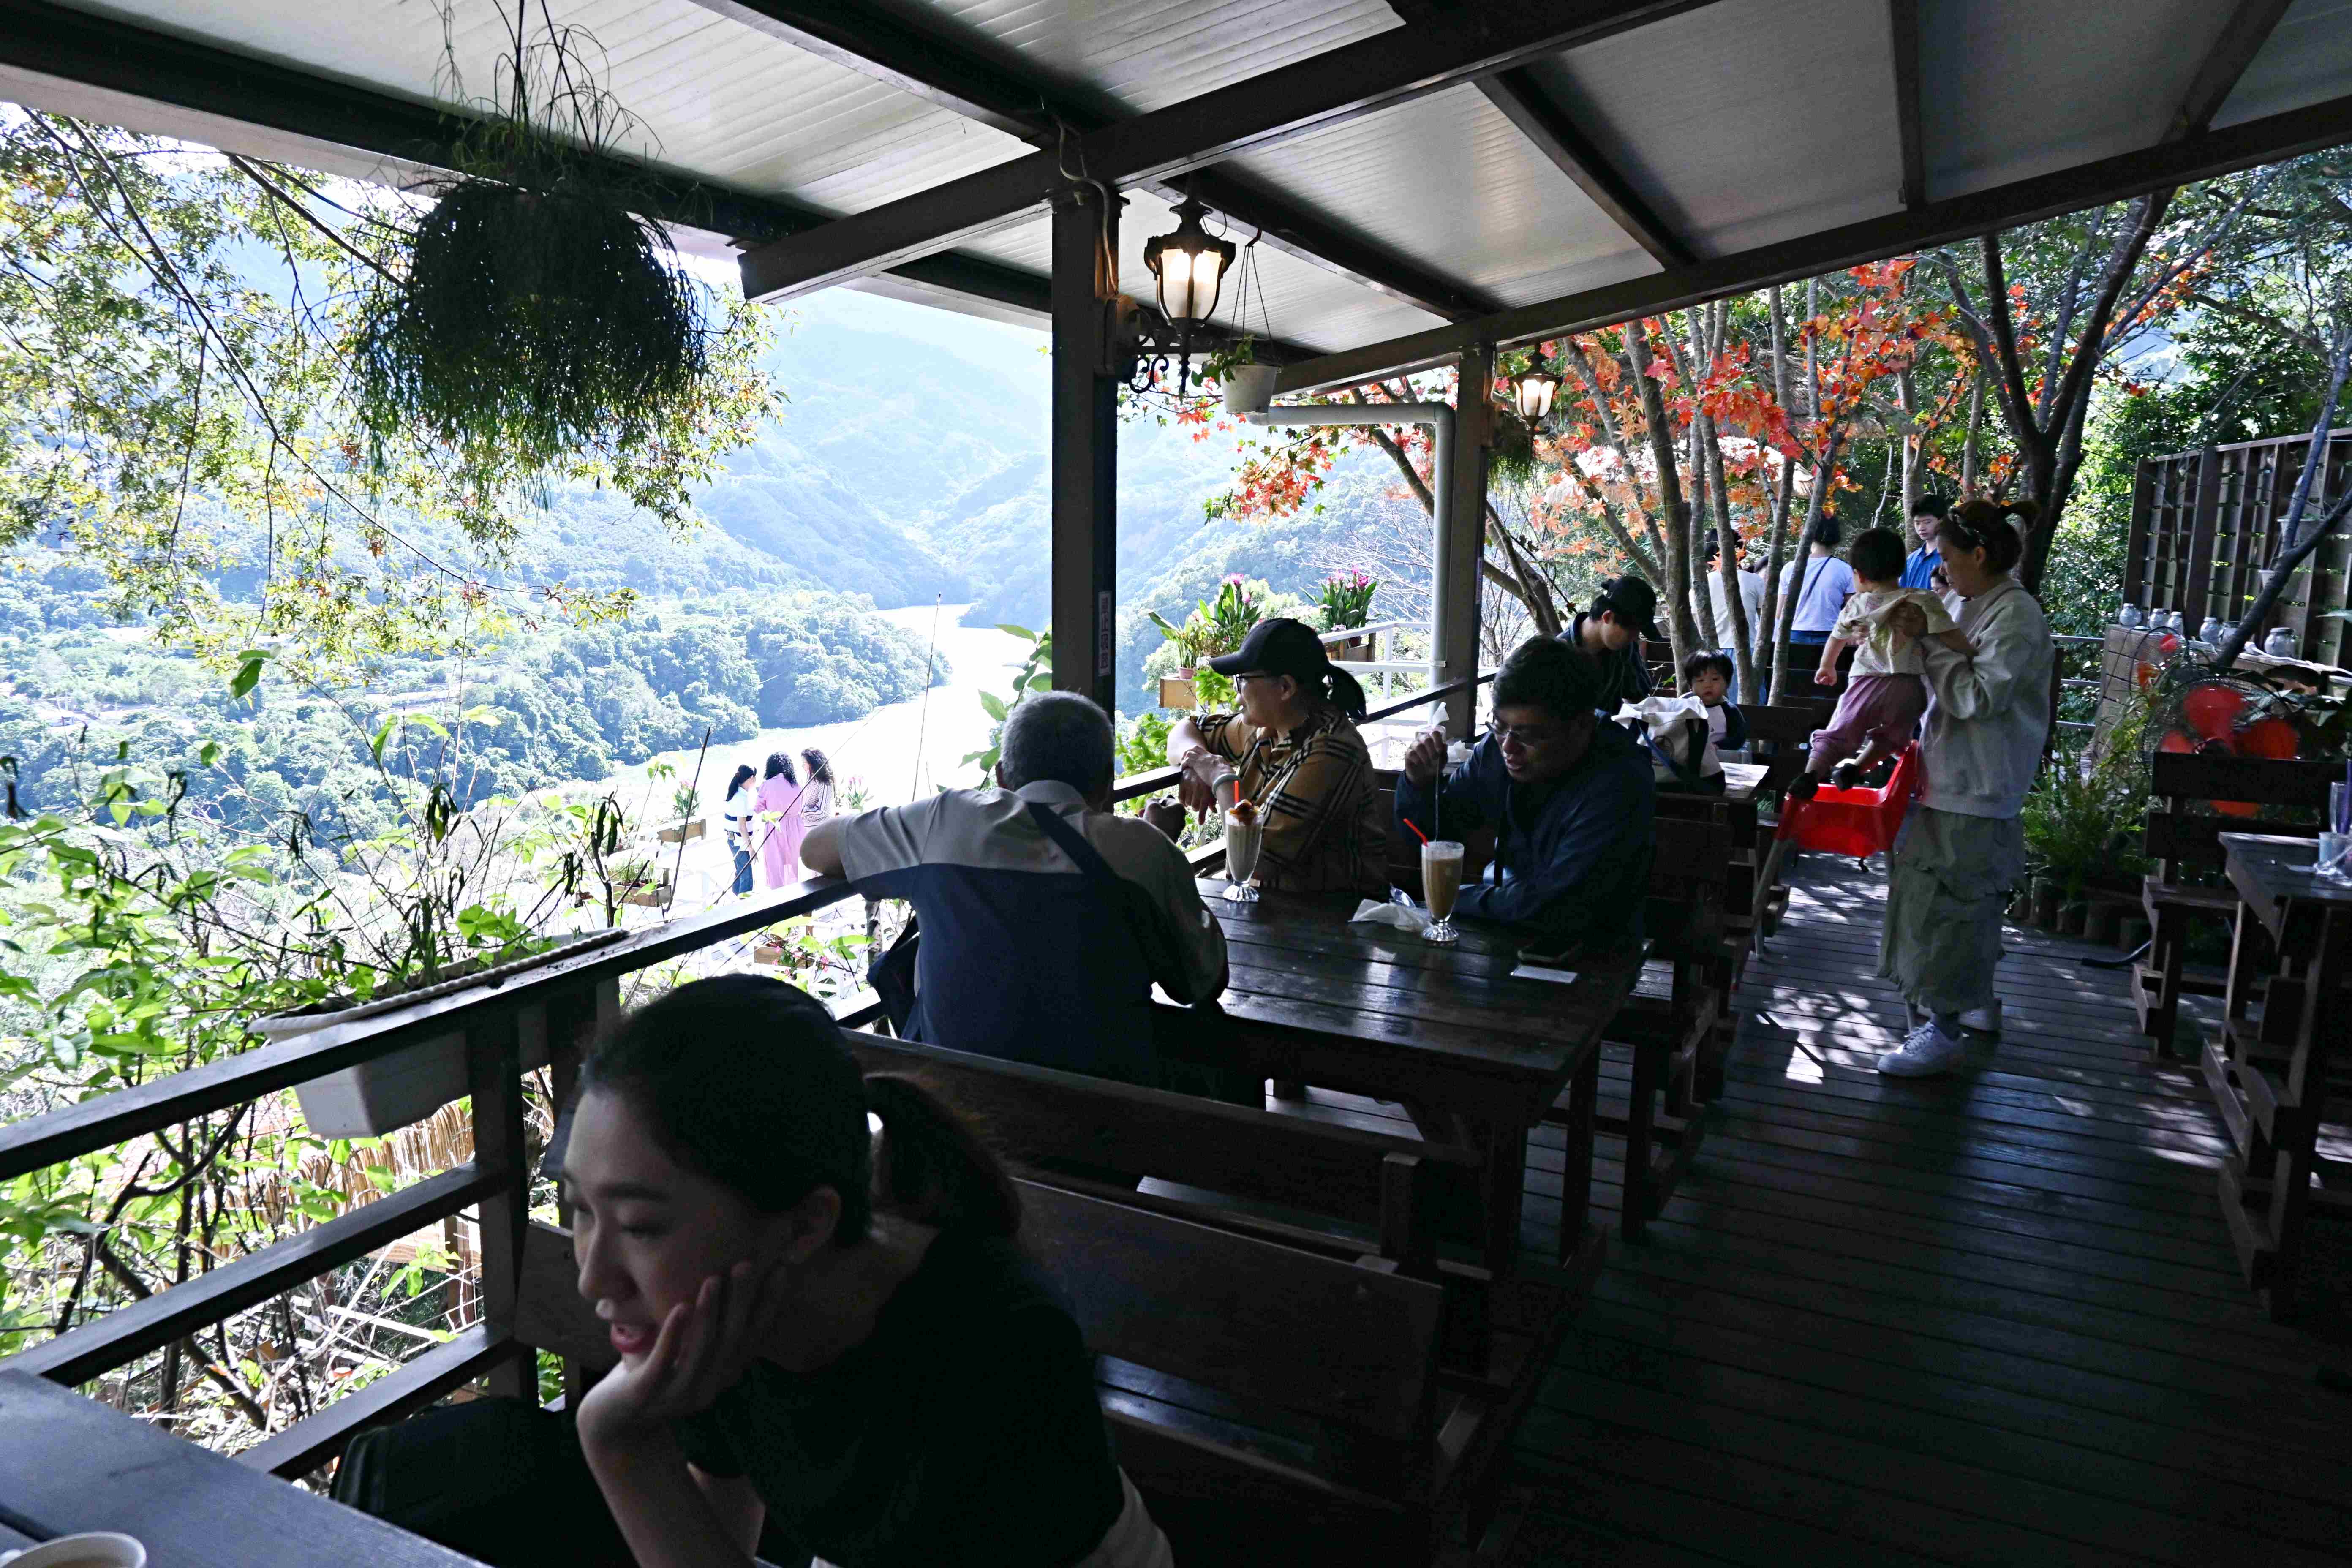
(1815, 504)
(1675, 590)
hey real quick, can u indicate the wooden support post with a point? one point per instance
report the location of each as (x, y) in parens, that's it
(2201, 541)
(1462, 513)
(1085, 448)
(2144, 486)
(493, 1058)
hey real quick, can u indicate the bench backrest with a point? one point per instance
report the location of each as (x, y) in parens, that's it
(1329, 1340)
(1039, 1118)
(2182, 834)
(1350, 1344)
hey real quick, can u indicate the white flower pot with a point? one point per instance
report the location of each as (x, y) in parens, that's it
(405, 1088)
(1250, 387)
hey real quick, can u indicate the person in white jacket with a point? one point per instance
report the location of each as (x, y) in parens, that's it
(1962, 847)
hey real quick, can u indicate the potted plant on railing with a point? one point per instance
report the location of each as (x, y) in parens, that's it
(687, 827)
(449, 938)
(1345, 601)
(1218, 627)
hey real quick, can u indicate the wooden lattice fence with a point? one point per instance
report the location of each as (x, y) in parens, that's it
(2205, 526)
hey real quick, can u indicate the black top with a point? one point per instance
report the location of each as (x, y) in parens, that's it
(1624, 677)
(965, 1430)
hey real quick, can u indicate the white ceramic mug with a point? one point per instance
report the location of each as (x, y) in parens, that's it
(92, 1549)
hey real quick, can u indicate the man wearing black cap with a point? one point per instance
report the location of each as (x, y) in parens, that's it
(1610, 630)
(1293, 751)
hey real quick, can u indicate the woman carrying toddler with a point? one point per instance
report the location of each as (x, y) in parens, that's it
(1880, 711)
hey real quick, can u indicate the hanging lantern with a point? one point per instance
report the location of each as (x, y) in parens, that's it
(1533, 392)
(1189, 269)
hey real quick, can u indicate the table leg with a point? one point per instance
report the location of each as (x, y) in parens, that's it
(1504, 1148)
(1576, 1175)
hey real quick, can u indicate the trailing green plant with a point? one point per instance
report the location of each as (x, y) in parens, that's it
(534, 311)
(2083, 821)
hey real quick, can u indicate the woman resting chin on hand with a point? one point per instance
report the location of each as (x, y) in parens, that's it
(877, 1389)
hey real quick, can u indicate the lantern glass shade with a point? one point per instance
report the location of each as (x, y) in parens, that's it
(1189, 268)
(1534, 395)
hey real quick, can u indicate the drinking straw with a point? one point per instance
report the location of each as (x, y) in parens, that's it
(1417, 833)
(2344, 812)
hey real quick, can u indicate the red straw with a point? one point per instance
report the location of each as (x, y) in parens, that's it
(1417, 833)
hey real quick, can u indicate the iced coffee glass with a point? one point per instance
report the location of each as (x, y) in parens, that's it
(1244, 833)
(1441, 884)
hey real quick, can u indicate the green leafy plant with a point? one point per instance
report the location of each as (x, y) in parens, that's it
(1037, 674)
(1218, 627)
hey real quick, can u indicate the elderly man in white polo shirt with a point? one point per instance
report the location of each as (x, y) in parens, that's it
(1046, 919)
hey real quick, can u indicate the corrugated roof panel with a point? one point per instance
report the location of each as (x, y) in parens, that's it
(1485, 207)
(1149, 53)
(1304, 303)
(2017, 88)
(1747, 122)
(716, 98)
(2307, 60)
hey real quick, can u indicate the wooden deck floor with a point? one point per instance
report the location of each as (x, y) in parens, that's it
(1991, 1319)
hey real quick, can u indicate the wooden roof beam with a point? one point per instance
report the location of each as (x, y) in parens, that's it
(97, 51)
(1312, 94)
(2170, 162)
(1902, 16)
(2243, 37)
(957, 75)
(1540, 118)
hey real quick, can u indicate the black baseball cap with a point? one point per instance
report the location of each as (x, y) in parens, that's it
(1634, 602)
(1278, 647)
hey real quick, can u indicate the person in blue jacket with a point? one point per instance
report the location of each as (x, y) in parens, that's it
(1570, 796)
(1919, 567)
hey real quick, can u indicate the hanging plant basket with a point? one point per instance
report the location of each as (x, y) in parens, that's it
(537, 313)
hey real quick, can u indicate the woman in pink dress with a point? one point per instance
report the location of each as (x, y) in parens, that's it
(777, 824)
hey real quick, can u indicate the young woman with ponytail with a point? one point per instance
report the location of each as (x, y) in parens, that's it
(843, 1349)
(1295, 752)
(1962, 847)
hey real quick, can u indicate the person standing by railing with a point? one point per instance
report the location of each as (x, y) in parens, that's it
(816, 795)
(735, 818)
(1293, 750)
(1962, 846)
(778, 822)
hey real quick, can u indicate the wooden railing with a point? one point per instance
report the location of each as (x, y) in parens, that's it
(575, 996)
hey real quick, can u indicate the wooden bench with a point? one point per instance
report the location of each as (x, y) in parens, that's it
(1669, 1023)
(1265, 1399)
(2183, 837)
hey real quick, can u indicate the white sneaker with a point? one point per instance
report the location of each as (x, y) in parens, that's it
(1924, 1053)
(1983, 1020)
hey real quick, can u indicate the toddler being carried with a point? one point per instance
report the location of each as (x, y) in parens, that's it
(1880, 711)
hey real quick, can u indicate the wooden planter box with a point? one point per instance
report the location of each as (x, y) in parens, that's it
(1355, 650)
(767, 949)
(394, 1091)
(1176, 691)
(680, 832)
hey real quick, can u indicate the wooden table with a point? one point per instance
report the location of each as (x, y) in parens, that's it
(1476, 1057)
(68, 1464)
(2269, 1075)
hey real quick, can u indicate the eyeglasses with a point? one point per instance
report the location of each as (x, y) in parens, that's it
(1525, 735)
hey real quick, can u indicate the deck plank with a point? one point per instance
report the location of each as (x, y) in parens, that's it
(1991, 1319)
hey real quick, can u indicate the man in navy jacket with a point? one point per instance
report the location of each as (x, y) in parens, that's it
(1570, 796)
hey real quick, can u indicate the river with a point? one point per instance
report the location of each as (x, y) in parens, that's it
(897, 753)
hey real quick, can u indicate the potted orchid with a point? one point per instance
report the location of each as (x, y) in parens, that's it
(1218, 627)
(1345, 601)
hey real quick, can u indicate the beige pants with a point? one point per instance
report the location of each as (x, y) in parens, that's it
(1947, 882)
(1132, 1540)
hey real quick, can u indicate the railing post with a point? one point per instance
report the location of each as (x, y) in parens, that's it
(494, 1062)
